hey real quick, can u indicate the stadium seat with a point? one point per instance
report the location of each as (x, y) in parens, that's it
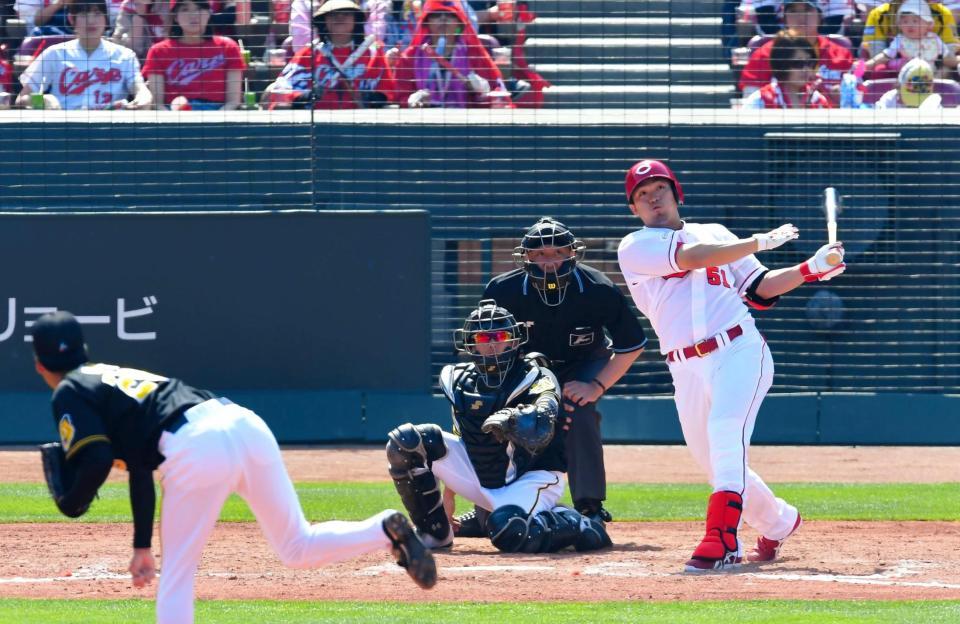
(32, 46)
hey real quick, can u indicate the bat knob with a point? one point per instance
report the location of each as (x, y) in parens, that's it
(834, 258)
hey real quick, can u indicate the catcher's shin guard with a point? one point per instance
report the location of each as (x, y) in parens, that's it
(512, 530)
(410, 452)
(720, 547)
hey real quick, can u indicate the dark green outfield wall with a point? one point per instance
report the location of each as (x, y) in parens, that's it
(891, 363)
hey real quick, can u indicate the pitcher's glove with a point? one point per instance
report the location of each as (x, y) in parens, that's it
(524, 425)
(57, 474)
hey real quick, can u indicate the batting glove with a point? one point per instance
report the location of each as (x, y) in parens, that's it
(780, 236)
(817, 269)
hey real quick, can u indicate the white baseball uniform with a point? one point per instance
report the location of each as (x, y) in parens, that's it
(81, 80)
(717, 395)
(225, 448)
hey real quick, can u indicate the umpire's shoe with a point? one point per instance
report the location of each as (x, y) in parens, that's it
(410, 551)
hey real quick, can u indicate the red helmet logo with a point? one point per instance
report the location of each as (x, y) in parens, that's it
(646, 169)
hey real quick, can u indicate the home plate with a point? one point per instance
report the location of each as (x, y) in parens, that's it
(392, 568)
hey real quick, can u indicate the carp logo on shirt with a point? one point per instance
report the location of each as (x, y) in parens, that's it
(182, 72)
(75, 82)
(67, 431)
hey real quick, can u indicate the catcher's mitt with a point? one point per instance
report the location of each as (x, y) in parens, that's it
(525, 426)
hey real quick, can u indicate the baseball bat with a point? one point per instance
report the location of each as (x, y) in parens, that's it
(830, 207)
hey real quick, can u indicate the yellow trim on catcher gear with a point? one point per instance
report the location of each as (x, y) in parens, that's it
(87, 440)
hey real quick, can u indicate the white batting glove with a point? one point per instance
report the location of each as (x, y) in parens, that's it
(818, 269)
(419, 99)
(774, 238)
(478, 84)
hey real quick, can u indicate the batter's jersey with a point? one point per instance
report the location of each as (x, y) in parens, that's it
(79, 80)
(122, 407)
(574, 330)
(500, 463)
(686, 307)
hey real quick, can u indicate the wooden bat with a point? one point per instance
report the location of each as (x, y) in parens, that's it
(830, 208)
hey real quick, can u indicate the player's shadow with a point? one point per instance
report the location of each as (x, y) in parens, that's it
(464, 547)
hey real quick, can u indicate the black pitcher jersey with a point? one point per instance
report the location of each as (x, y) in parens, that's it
(123, 407)
(574, 330)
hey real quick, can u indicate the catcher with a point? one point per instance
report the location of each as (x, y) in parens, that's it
(205, 448)
(505, 453)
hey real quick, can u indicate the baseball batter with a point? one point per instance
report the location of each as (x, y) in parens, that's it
(695, 282)
(505, 453)
(205, 448)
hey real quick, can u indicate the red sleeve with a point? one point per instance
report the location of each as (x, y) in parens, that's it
(231, 54)
(387, 84)
(756, 73)
(837, 57)
(404, 79)
(158, 58)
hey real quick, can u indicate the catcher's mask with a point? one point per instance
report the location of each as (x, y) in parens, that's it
(550, 283)
(492, 338)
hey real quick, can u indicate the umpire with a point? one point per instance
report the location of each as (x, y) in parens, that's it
(566, 306)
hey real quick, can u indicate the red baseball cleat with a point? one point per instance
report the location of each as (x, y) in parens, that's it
(768, 549)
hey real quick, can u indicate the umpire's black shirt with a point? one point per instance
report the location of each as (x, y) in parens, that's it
(574, 330)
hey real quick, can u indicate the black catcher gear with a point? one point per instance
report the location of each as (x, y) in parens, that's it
(513, 530)
(411, 451)
(550, 284)
(530, 427)
(485, 329)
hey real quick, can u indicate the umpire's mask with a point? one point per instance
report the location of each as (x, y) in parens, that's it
(551, 281)
(492, 338)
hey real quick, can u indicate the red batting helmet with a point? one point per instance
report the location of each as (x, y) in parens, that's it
(644, 170)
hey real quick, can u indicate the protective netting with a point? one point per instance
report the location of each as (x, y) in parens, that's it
(596, 86)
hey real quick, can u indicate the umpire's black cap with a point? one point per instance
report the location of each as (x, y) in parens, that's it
(58, 341)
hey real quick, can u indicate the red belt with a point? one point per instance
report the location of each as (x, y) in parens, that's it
(704, 347)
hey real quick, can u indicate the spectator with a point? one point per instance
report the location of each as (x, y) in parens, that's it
(803, 18)
(446, 65)
(140, 24)
(915, 39)
(767, 14)
(881, 27)
(194, 69)
(794, 83)
(226, 15)
(345, 71)
(88, 72)
(6, 72)
(392, 23)
(915, 88)
(44, 18)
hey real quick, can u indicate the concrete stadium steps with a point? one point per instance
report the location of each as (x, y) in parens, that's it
(627, 8)
(639, 96)
(625, 27)
(637, 74)
(624, 49)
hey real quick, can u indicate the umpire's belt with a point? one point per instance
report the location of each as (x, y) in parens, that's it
(707, 346)
(194, 413)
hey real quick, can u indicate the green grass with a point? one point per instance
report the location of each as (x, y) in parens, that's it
(268, 612)
(643, 502)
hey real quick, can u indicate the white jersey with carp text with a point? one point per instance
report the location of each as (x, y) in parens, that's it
(686, 307)
(79, 80)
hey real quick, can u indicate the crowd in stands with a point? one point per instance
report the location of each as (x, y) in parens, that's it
(333, 54)
(838, 53)
(345, 54)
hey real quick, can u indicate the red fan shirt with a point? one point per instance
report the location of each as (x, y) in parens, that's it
(834, 60)
(197, 72)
